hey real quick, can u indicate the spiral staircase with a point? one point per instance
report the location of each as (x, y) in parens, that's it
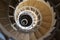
(30, 19)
